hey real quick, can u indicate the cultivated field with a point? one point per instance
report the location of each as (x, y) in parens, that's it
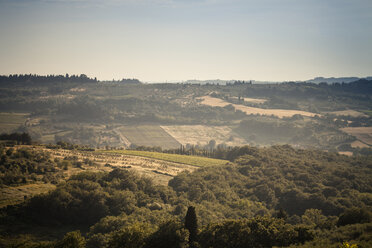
(358, 144)
(200, 134)
(363, 134)
(216, 102)
(148, 136)
(175, 158)
(11, 121)
(351, 113)
(159, 169)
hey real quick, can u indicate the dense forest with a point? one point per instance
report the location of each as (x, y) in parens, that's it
(275, 196)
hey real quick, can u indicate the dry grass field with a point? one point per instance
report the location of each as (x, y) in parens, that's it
(200, 134)
(216, 102)
(363, 134)
(17, 194)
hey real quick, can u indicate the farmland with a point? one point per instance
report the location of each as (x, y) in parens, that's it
(363, 134)
(201, 134)
(176, 158)
(149, 136)
(216, 102)
(118, 115)
(352, 113)
(11, 121)
(160, 170)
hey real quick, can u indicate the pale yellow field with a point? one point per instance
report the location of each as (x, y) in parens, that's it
(200, 134)
(358, 144)
(363, 134)
(216, 102)
(352, 113)
(346, 153)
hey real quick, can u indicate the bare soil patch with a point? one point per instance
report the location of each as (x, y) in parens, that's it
(346, 153)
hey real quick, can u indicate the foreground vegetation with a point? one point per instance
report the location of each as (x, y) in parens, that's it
(277, 196)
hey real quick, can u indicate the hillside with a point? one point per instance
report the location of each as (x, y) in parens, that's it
(100, 114)
(326, 195)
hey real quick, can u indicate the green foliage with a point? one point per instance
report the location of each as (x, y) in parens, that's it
(24, 165)
(130, 237)
(311, 187)
(191, 224)
(353, 216)
(169, 235)
(257, 232)
(347, 245)
(72, 240)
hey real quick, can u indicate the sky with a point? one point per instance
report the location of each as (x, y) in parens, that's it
(177, 40)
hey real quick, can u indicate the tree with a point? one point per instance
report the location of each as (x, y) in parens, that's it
(170, 234)
(354, 215)
(281, 214)
(191, 224)
(132, 236)
(72, 240)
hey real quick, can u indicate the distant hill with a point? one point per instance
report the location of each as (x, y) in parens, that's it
(212, 81)
(332, 80)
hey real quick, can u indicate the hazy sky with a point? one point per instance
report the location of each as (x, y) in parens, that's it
(159, 40)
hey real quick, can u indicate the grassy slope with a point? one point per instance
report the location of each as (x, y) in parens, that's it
(183, 159)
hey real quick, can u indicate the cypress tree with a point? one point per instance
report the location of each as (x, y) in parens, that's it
(191, 224)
